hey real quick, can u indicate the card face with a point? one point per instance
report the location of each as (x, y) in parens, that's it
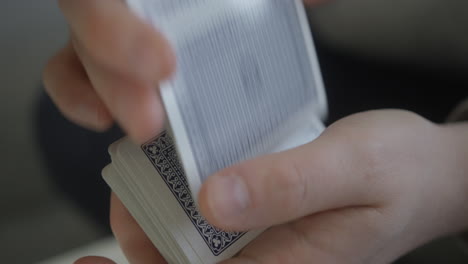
(162, 154)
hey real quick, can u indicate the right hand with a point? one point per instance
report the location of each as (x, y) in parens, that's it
(134, 243)
(110, 69)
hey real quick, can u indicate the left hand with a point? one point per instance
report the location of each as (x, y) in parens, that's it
(372, 187)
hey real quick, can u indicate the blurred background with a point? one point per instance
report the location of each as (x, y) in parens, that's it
(417, 49)
(36, 221)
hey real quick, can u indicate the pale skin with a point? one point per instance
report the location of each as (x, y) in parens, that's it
(372, 187)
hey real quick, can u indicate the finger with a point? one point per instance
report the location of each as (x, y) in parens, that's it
(328, 173)
(136, 106)
(68, 86)
(135, 244)
(352, 235)
(117, 39)
(94, 260)
(125, 59)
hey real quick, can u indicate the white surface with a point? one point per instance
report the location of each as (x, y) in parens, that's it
(106, 248)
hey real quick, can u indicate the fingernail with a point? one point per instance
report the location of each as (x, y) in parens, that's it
(90, 118)
(228, 198)
(141, 117)
(151, 63)
(147, 64)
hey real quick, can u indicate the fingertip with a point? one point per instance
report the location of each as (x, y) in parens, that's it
(94, 260)
(70, 89)
(104, 120)
(134, 243)
(168, 60)
(224, 200)
(144, 121)
(153, 57)
(93, 116)
(128, 46)
(204, 205)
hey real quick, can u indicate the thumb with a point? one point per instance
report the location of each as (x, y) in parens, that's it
(326, 174)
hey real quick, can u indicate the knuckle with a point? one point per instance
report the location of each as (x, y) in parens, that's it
(69, 111)
(59, 95)
(373, 153)
(96, 42)
(115, 49)
(67, 103)
(116, 222)
(49, 73)
(293, 182)
(97, 37)
(116, 225)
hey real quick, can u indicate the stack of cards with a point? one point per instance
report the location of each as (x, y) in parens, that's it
(150, 181)
(247, 84)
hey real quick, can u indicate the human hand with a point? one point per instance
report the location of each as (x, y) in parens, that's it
(110, 69)
(372, 187)
(134, 243)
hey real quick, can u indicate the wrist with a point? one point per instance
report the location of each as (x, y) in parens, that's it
(440, 194)
(454, 180)
(458, 135)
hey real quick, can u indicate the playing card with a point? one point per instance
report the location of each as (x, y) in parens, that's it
(158, 203)
(247, 77)
(158, 158)
(122, 182)
(247, 84)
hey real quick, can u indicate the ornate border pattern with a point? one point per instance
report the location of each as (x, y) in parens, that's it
(163, 155)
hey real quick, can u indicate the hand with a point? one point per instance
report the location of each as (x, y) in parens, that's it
(110, 69)
(135, 244)
(372, 187)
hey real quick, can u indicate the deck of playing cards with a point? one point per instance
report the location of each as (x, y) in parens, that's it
(151, 183)
(247, 84)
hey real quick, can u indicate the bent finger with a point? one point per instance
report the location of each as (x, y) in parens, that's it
(135, 105)
(135, 244)
(68, 86)
(323, 175)
(115, 38)
(94, 260)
